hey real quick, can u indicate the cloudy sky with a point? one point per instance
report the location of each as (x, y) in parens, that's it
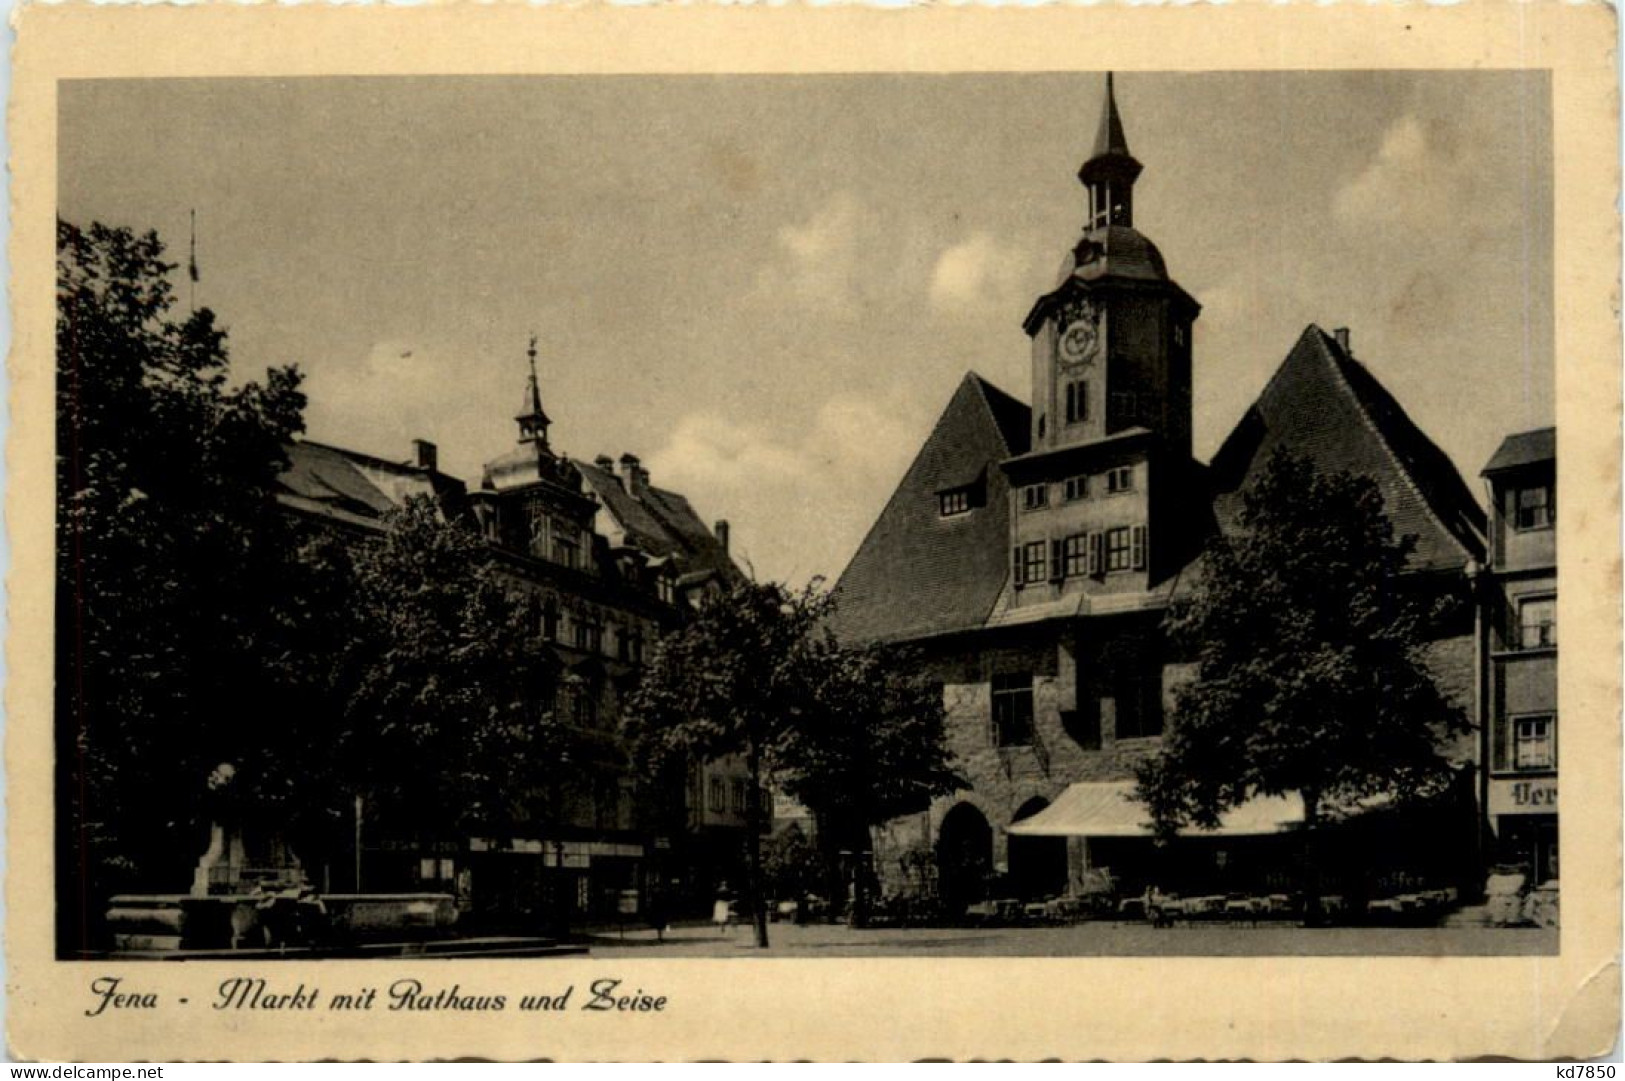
(768, 287)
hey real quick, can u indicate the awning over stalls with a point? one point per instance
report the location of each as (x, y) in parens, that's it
(1108, 809)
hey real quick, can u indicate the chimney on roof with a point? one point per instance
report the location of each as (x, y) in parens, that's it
(722, 534)
(634, 478)
(425, 455)
(604, 462)
(1342, 336)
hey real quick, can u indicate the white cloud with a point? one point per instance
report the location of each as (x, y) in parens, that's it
(799, 503)
(818, 260)
(979, 272)
(1418, 178)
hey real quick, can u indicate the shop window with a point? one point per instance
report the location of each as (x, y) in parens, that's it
(1537, 623)
(1534, 743)
(1536, 508)
(1013, 709)
(1035, 497)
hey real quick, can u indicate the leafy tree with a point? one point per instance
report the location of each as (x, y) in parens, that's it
(446, 691)
(729, 682)
(1309, 641)
(844, 731)
(871, 745)
(792, 866)
(171, 559)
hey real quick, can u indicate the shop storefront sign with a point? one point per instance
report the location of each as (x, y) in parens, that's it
(1512, 796)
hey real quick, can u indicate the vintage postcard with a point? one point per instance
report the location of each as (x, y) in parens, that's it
(650, 533)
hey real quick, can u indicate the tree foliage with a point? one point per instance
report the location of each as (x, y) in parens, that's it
(849, 733)
(171, 562)
(445, 691)
(1309, 639)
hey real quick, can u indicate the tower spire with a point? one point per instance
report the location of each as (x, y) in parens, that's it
(1109, 137)
(1111, 170)
(533, 421)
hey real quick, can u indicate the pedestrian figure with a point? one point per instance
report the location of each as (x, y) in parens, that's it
(657, 915)
(722, 913)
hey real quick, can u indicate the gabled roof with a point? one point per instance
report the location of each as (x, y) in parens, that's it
(1524, 448)
(918, 573)
(1325, 405)
(350, 486)
(660, 523)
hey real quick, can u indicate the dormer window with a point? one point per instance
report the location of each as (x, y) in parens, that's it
(666, 589)
(962, 498)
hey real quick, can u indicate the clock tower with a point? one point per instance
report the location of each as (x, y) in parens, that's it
(1111, 343)
(1111, 407)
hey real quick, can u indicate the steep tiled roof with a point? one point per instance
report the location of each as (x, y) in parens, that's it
(1324, 405)
(349, 486)
(660, 523)
(1524, 448)
(918, 573)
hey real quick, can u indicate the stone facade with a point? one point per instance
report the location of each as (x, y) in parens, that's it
(1054, 670)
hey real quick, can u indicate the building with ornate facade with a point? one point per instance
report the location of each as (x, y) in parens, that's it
(612, 561)
(1032, 549)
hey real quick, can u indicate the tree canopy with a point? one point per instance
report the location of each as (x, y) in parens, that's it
(171, 557)
(445, 691)
(848, 732)
(1308, 637)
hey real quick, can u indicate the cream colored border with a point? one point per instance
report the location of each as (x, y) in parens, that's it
(871, 1009)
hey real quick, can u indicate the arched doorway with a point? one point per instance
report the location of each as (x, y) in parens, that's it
(964, 857)
(1037, 864)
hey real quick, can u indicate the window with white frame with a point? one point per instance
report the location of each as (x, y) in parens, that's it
(1075, 488)
(1033, 561)
(1537, 623)
(1075, 555)
(1534, 742)
(1119, 549)
(1120, 479)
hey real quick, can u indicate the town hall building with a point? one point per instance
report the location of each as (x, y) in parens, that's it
(1032, 549)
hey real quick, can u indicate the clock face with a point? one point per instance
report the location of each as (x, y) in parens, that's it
(1080, 341)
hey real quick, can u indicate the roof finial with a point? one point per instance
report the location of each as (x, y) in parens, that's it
(533, 421)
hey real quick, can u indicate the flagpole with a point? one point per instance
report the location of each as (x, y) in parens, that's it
(191, 265)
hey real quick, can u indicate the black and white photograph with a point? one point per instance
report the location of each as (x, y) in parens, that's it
(602, 519)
